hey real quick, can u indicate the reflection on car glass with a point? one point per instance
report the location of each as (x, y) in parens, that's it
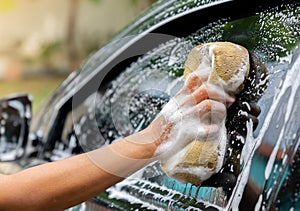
(140, 91)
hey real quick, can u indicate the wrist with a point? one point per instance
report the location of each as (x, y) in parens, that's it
(137, 146)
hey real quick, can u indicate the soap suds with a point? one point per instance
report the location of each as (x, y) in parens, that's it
(188, 152)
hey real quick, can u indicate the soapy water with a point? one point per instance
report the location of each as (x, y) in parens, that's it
(191, 117)
(193, 123)
(198, 160)
(156, 76)
(286, 97)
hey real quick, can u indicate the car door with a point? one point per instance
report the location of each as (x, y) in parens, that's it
(121, 88)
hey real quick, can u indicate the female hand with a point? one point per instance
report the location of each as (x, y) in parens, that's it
(196, 112)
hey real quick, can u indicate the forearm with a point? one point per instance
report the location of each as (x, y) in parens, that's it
(53, 186)
(62, 184)
(122, 158)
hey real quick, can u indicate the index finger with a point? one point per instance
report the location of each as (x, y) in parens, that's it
(209, 91)
(194, 81)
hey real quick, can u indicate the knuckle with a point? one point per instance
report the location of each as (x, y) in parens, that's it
(221, 107)
(194, 78)
(205, 106)
(193, 82)
(212, 130)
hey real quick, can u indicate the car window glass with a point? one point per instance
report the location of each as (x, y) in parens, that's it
(133, 99)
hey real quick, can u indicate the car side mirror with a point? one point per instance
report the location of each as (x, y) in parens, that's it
(15, 116)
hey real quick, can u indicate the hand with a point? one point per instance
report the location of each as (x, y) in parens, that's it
(194, 113)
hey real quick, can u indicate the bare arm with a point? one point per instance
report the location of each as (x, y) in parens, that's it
(62, 184)
(65, 183)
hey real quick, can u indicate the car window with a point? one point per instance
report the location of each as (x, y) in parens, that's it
(131, 100)
(139, 88)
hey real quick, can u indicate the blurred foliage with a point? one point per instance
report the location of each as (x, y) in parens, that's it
(49, 48)
(133, 2)
(95, 1)
(6, 5)
(39, 88)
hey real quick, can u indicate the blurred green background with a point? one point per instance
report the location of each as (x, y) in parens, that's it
(42, 41)
(40, 87)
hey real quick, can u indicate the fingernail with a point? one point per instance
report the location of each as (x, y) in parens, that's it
(231, 98)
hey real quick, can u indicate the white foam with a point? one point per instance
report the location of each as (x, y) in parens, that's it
(207, 61)
(236, 80)
(188, 127)
(246, 157)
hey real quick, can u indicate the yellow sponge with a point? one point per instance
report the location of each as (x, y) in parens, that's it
(223, 64)
(228, 64)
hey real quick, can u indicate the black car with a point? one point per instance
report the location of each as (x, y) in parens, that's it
(119, 90)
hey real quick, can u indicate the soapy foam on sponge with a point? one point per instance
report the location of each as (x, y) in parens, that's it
(227, 64)
(191, 156)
